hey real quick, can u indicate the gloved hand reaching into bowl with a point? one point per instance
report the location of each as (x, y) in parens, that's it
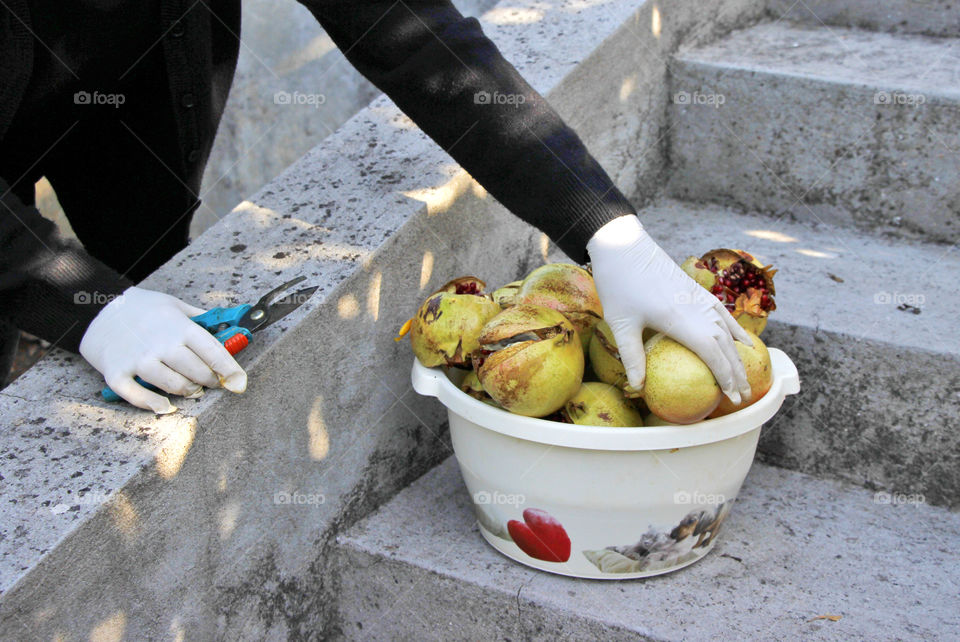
(640, 287)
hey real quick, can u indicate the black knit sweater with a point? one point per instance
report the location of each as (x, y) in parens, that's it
(436, 65)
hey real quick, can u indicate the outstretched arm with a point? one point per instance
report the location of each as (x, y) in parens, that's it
(441, 70)
(449, 78)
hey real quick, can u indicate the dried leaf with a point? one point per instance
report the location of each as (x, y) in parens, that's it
(404, 330)
(832, 618)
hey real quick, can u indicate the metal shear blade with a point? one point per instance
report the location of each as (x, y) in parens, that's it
(269, 310)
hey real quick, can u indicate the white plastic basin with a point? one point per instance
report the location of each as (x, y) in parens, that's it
(595, 502)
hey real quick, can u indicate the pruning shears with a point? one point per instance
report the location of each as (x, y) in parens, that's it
(234, 327)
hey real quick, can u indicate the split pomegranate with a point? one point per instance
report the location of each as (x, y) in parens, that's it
(743, 284)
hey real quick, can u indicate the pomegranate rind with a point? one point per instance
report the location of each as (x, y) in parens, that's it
(605, 356)
(505, 295)
(472, 386)
(462, 282)
(446, 328)
(749, 308)
(568, 289)
(522, 319)
(699, 272)
(601, 404)
(532, 377)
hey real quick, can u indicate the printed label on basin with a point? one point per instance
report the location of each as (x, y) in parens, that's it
(541, 536)
(657, 549)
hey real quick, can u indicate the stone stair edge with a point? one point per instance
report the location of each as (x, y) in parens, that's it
(678, 224)
(440, 503)
(854, 131)
(721, 53)
(891, 16)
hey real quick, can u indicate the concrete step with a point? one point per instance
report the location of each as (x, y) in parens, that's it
(880, 386)
(928, 17)
(839, 125)
(794, 548)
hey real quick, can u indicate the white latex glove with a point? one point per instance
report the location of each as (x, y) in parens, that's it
(150, 334)
(640, 286)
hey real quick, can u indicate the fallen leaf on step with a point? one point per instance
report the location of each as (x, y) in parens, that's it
(832, 618)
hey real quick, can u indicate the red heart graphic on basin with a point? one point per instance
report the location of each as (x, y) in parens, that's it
(542, 537)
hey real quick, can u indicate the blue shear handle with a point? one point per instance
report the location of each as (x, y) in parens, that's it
(214, 318)
(209, 320)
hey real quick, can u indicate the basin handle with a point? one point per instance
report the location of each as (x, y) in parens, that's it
(785, 370)
(426, 381)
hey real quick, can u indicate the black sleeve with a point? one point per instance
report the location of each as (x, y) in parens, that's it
(49, 286)
(440, 69)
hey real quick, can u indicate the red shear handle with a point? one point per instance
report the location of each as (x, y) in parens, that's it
(236, 343)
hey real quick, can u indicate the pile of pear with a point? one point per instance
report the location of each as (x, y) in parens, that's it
(539, 347)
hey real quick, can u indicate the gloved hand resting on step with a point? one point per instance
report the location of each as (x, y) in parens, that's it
(149, 334)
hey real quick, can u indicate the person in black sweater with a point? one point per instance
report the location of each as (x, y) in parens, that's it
(118, 107)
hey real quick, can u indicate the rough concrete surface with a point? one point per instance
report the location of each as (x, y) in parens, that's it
(929, 17)
(216, 522)
(284, 51)
(832, 124)
(880, 386)
(794, 548)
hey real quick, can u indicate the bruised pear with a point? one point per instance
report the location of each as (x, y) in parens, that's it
(605, 355)
(568, 289)
(740, 281)
(446, 327)
(756, 361)
(601, 404)
(679, 386)
(471, 385)
(504, 296)
(530, 360)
